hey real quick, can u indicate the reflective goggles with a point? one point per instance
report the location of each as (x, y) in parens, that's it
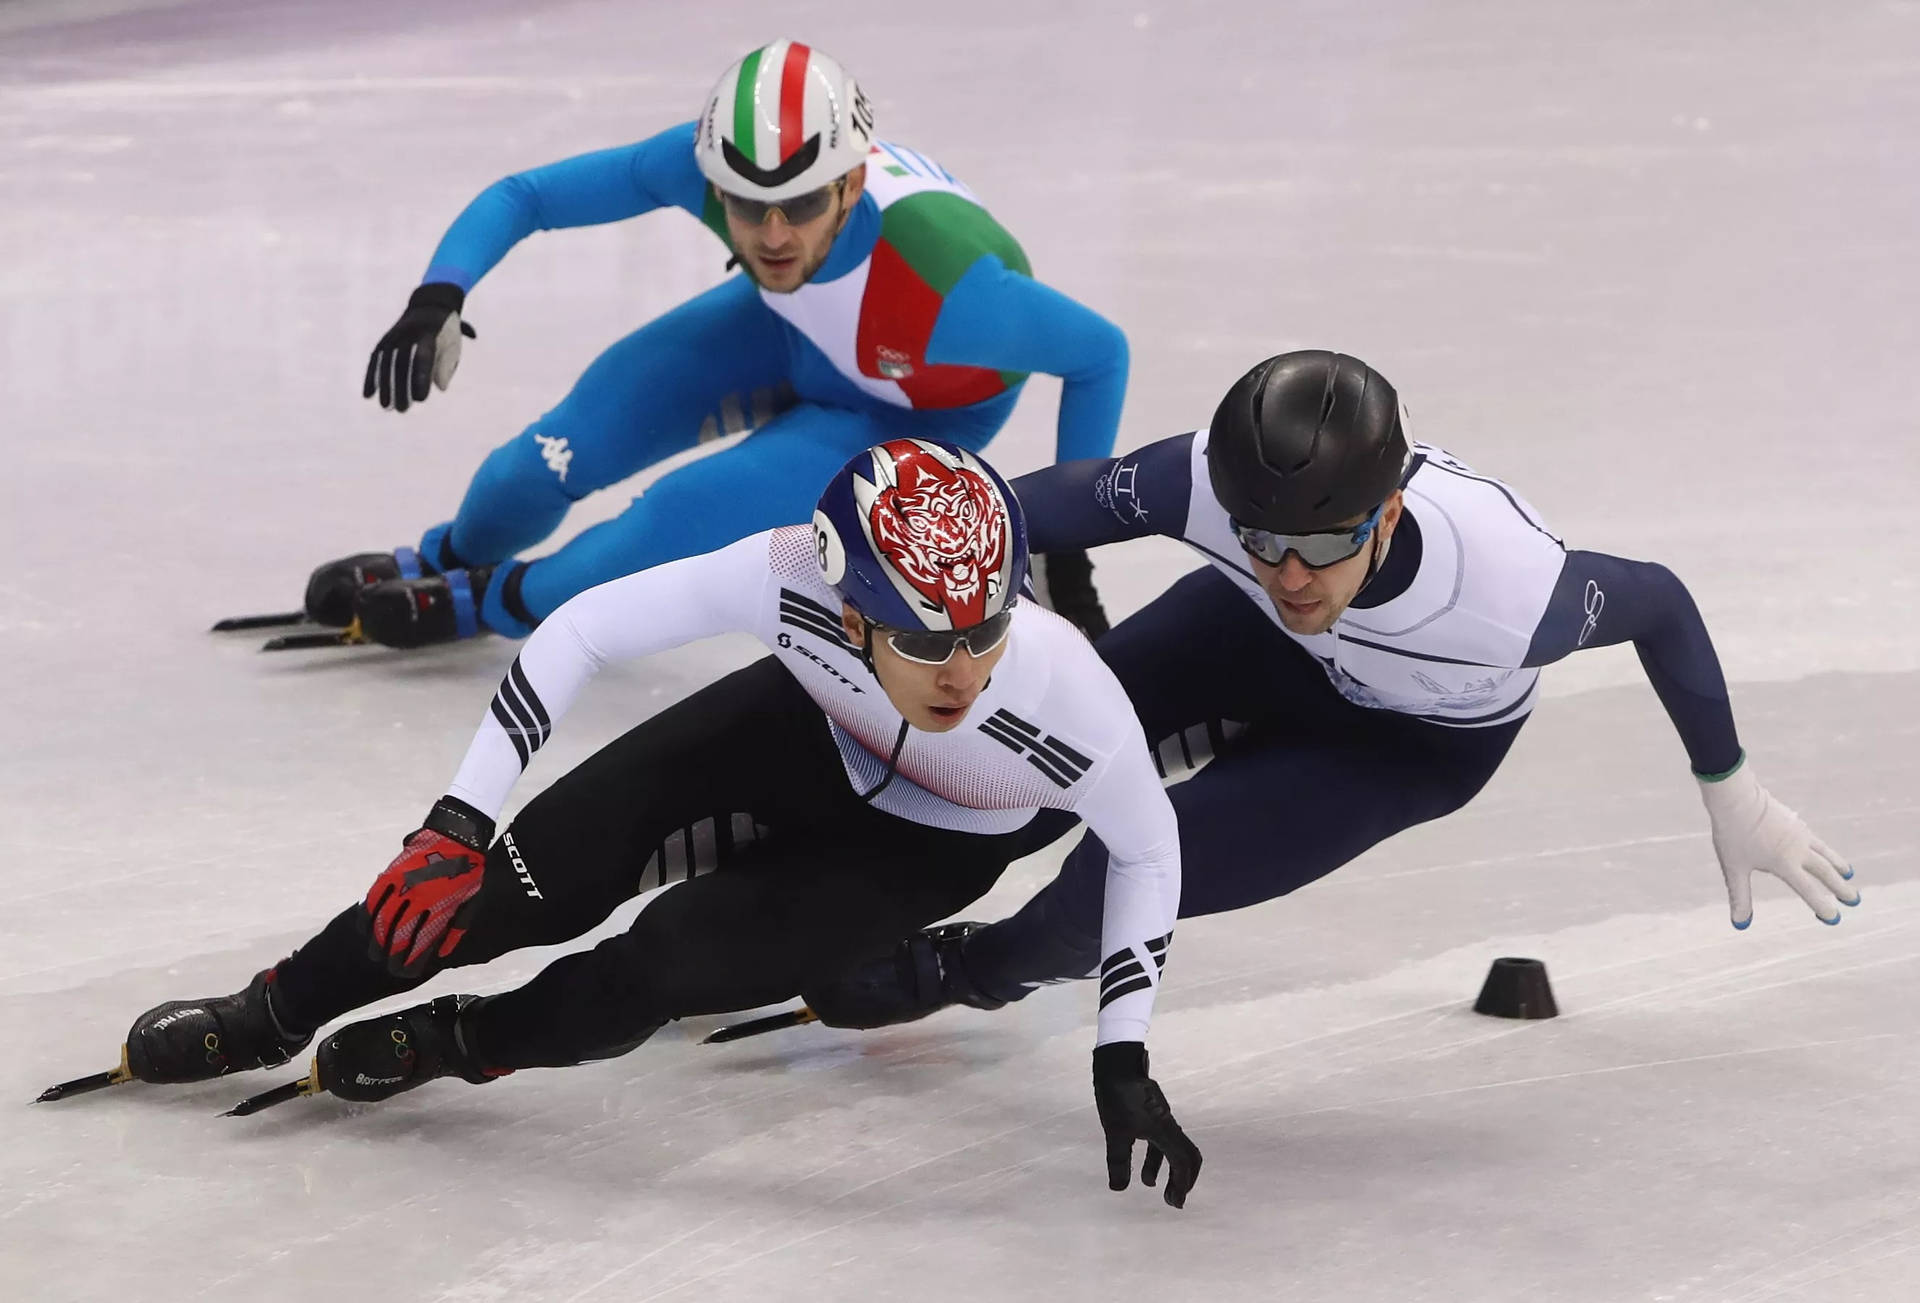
(797, 211)
(1316, 551)
(936, 646)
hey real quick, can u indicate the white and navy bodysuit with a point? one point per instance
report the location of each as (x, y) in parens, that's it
(1317, 747)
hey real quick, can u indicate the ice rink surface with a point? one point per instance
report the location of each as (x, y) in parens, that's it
(1654, 263)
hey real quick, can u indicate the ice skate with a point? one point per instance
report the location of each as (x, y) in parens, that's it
(332, 587)
(924, 974)
(421, 612)
(378, 1058)
(198, 1040)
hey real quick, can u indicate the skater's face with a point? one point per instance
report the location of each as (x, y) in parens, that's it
(1308, 600)
(783, 255)
(934, 698)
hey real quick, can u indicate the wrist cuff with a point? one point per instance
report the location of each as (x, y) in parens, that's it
(1725, 774)
(1119, 1061)
(453, 817)
(444, 295)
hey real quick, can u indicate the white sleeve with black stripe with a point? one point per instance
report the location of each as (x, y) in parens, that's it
(625, 619)
(1130, 812)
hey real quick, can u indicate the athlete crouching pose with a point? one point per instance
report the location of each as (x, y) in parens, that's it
(877, 299)
(1358, 658)
(870, 777)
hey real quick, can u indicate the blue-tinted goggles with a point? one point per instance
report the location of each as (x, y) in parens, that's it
(1317, 550)
(936, 646)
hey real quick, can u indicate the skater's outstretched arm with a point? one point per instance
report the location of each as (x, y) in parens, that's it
(1128, 810)
(679, 602)
(421, 351)
(1601, 600)
(607, 185)
(1004, 319)
(1132, 818)
(1082, 504)
(419, 907)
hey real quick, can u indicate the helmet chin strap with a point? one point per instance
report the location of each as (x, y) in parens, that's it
(900, 741)
(893, 764)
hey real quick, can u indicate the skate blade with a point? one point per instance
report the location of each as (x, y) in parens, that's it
(351, 636)
(276, 620)
(307, 1085)
(87, 1085)
(760, 1026)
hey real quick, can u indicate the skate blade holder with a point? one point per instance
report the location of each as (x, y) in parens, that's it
(306, 634)
(761, 1026)
(88, 1084)
(307, 1085)
(273, 620)
(351, 636)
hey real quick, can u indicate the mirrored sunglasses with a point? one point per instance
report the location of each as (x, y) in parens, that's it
(797, 211)
(1316, 551)
(936, 646)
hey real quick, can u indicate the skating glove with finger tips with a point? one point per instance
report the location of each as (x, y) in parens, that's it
(1131, 1108)
(420, 907)
(1753, 831)
(421, 350)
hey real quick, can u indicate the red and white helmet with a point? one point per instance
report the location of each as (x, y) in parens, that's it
(784, 120)
(921, 534)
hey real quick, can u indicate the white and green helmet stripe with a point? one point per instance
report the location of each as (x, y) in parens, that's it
(745, 91)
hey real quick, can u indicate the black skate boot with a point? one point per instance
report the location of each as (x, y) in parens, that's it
(421, 612)
(332, 587)
(925, 973)
(198, 1040)
(381, 1057)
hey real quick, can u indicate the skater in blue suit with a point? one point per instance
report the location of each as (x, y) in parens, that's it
(877, 299)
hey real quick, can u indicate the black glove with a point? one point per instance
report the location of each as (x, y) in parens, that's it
(1069, 590)
(421, 350)
(1132, 1108)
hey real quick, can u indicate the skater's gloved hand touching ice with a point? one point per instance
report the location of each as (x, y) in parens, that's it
(423, 347)
(1753, 831)
(420, 907)
(1132, 1108)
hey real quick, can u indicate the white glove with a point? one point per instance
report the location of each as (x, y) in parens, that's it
(1752, 830)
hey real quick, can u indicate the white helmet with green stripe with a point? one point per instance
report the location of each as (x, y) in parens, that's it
(784, 120)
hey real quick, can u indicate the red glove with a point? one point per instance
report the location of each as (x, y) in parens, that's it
(421, 906)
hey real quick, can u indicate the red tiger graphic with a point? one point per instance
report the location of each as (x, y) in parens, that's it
(943, 527)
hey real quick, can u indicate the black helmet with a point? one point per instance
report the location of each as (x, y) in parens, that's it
(1306, 441)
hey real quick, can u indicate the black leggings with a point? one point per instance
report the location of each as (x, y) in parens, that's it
(1301, 780)
(741, 777)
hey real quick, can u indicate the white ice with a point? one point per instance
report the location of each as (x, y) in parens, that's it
(1652, 262)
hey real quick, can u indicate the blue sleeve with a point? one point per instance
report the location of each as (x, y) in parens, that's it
(604, 186)
(998, 318)
(1602, 600)
(1076, 505)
